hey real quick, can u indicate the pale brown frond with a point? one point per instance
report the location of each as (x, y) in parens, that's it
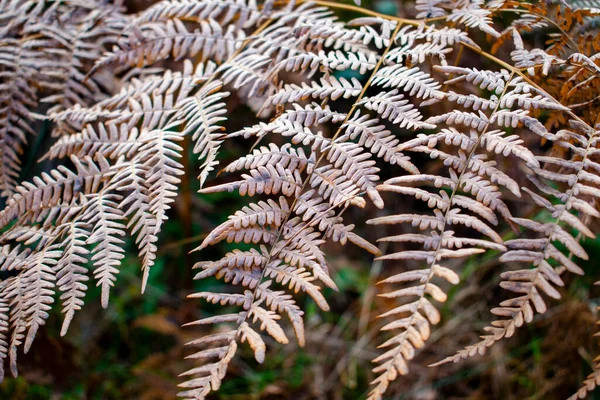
(472, 130)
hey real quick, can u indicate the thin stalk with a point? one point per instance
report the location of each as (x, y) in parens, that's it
(361, 10)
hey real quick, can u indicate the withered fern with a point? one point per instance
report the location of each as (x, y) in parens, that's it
(339, 103)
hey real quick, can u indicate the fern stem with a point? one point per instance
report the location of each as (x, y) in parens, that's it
(367, 298)
(361, 10)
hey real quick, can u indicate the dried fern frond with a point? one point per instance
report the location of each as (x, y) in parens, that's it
(497, 141)
(543, 252)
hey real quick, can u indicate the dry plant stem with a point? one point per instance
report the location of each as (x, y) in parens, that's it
(580, 84)
(587, 103)
(186, 212)
(361, 10)
(183, 242)
(356, 348)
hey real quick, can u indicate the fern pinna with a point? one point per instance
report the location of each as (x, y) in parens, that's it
(339, 104)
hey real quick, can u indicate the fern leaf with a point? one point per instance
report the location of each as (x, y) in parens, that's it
(474, 17)
(200, 115)
(61, 185)
(244, 12)
(158, 154)
(287, 156)
(412, 80)
(157, 41)
(102, 212)
(393, 107)
(269, 214)
(71, 273)
(331, 87)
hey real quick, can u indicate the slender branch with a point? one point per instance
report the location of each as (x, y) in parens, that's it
(361, 10)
